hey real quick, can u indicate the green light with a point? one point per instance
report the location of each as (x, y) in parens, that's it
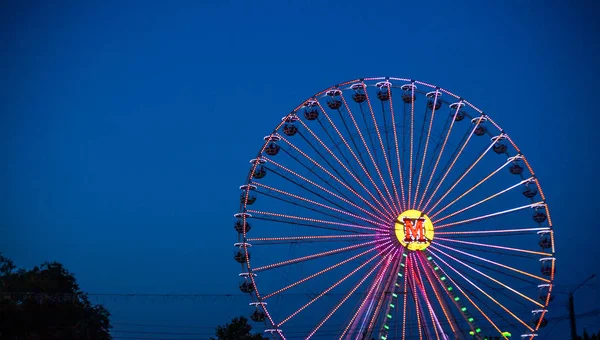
(389, 316)
(443, 278)
(404, 255)
(395, 295)
(429, 258)
(456, 298)
(386, 326)
(478, 330)
(450, 288)
(399, 274)
(383, 337)
(397, 285)
(470, 319)
(402, 264)
(472, 333)
(392, 305)
(436, 268)
(464, 309)
(506, 334)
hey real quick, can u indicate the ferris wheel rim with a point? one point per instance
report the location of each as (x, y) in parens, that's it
(356, 84)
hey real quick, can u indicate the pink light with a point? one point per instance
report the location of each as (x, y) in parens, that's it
(321, 272)
(482, 201)
(333, 176)
(487, 216)
(352, 152)
(488, 231)
(316, 237)
(401, 202)
(316, 220)
(330, 192)
(452, 164)
(335, 285)
(369, 293)
(436, 292)
(412, 133)
(343, 165)
(321, 204)
(387, 162)
(489, 277)
(494, 246)
(463, 175)
(470, 189)
(439, 156)
(483, 292)
(464, 294)
(425, 150)
(351, 292)
(314, 256)
(368, 151)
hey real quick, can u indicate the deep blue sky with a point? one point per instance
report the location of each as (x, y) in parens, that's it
(126, 127)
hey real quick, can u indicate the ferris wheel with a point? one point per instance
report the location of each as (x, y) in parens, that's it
(389, 208)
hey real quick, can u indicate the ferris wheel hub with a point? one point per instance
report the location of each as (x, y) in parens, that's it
(414, 230)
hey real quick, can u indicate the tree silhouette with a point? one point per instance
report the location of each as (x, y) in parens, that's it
(586, 336)
(238, 329)
(45, 302)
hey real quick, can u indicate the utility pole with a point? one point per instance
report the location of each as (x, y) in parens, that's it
(572, 308)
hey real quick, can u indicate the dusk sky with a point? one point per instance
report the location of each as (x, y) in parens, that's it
(127, 128)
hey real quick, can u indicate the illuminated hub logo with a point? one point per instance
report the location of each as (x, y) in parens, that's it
(414, 230)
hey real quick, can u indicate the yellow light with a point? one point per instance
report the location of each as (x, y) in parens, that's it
(420, 230)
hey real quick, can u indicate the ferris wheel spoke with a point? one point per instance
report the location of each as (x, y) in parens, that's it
(412, 137)
(313, 220)
(496, 264)
(348, 168)
(426, 146)
(356, 157)
(464, 293)
(413, 283)
(313, 173)
(314, 208)
(360, 134)
(491, 232)
(300, 198)
(258, 241)
(329, 200)
(404, 304)
(400, 201)
(336, 284)
(489, 215)
(333, 142)
(386, 258)
(465, 173)
(505, 286)
(439, 156)
(452, 164)
(432, 284)
(484, 293)
(385, 156)
(474, 187)
(432, 314)
(389, 151)
(381, 214)
(385, 296)
(370, 295)
(316, 256)
(350, 171)
(322, 272)
(482, 201)
(345, 185)
(484, 245)
(305, 188)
